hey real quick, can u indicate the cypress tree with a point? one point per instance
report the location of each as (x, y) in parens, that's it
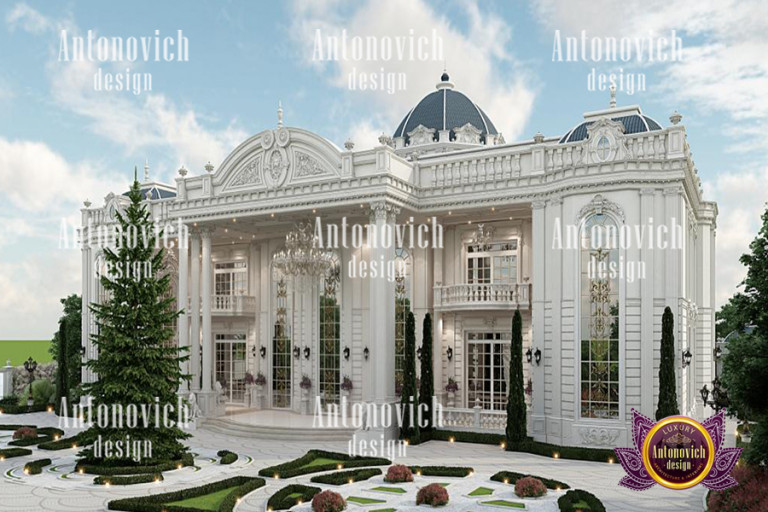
(408, 431)
(138, 360)
(427, 389)
(516, 431)
(62, 371)
(667, 381)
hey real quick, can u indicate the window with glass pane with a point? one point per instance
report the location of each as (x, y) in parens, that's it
(281, 348)
(599, 349)
(231, 278)
(488, 369)
(402, 307)
(330, 335)
(495, 263)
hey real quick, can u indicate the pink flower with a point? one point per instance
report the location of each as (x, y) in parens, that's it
(399, 473)
(25, 433)
(433, 494)
(529, 487)
(328, 501)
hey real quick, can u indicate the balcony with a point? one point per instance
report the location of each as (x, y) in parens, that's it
(482, 296)
(229, 305)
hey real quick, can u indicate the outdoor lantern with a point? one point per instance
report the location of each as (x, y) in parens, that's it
(529, 355)
(253, 351)
(346, 353)
(718, 352)
(30, 365)
(296, 352)
(263, 352)
(704, 394)
(687, 356)
(307, 351)
(418, 353)
(366, 353)
(449, 353)
(537, 356)
(82, 350)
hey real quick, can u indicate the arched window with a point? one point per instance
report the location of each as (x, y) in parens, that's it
(402, 307)
(599, 351)
(330, 334)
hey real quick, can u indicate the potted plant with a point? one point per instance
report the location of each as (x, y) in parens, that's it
(451, 388)
(306, 383)
(346, 386)
(260, 380)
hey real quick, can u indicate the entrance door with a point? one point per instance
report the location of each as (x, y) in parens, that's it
(230, 366)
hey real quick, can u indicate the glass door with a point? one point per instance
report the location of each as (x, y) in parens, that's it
(488, 369)
(230, 366)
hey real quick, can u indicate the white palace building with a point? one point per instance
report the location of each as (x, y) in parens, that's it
(516, 224)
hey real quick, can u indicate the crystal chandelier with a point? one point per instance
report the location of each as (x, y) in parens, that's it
(300, 257)
(482, 238)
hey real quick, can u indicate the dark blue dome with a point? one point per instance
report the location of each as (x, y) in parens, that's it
(446, 109)
(634, 123)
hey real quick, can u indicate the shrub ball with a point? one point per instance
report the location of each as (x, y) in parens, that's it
(432, 494)
(529, 487)
(399, 473)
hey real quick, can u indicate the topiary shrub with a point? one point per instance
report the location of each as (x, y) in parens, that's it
(36, 466)
(227, 457)
(574, 500)
(43, 392)
(344, 477)
(128, 480)
(511, 477)
(291, 495)
(25, 433)
(529, 487)
(328, 501)
(455, 471)
(398, 473)
(432, 494)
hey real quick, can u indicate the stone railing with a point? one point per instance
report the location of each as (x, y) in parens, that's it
(229, 305)
(475, 418)
(482, 296)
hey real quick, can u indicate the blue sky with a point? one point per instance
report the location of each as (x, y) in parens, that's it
(61, 142)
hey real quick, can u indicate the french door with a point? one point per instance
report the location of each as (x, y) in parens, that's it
(488, 369)
(231, 366)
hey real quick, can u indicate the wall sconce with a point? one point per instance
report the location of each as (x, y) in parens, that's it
(366, 353)
(687, 356)
(263, 352)
(529, 355)
(307, 351)
(449, 353)
(82, 350)
(418, 353)
(296, 352)
(718, 352)
(346, 353)
(537, 356)
(253, 351)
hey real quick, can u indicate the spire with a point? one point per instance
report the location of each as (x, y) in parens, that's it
(135, 173)
(613, 95)
(146, 170)
(279, 114)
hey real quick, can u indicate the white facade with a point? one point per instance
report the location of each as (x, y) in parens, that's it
(238, 215)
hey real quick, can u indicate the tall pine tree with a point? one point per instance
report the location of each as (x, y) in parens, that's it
(138, 361)
(427, 388)
(667, 381)
(516, 431)
(410, 426)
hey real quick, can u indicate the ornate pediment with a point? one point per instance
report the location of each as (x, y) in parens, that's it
(599, 205)
(467, 134)
(307, 166)
(249, 174)
(605, 141)
(421, 135)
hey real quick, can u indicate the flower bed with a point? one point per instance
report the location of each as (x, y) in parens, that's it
(301, 466)
(32, 436)
(574, 501)
(343, 477)
(85, 466)
(442, 471)
(432, 494)
(328, 501)
(510, 477)
(36, 466)
(751, 495)
(128, 480)
(290, 495)
(530, 487)
(398, 473)
(227, 457)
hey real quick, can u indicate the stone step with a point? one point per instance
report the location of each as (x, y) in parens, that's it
(276, 432)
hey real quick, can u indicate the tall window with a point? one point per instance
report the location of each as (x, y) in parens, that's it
(281, 347)
(402, 307)
(330, 335)
(494, 263)
(488, 369)
(599, 319)
(231, 278)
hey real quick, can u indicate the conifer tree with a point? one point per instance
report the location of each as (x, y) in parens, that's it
(138, 361)
(427, 388)
(516, 431)
(667, 381)
(410, 426)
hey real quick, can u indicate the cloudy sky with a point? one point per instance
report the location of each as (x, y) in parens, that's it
(61, 141)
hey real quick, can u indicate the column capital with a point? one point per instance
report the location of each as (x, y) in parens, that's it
(205, 232)
(383, 210)
(538, 205)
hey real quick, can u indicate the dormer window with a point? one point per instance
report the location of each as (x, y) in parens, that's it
(603, 148)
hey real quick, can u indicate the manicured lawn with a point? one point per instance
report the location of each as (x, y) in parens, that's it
(396, 490)
(19, 351)
(206, 502)
(364, 501)
(443, 484)
(294, 495)
(320, 461)
(504, 503)
(481, 491)
(581, 505)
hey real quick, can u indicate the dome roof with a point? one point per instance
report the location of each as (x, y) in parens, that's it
(446, 109)
(635, 123)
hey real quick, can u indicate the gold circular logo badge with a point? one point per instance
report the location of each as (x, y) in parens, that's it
(678, 452)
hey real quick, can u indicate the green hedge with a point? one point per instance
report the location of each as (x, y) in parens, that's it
(62, 444)
(112, 470)
(443, 470)
(227, 457)
(159, 502)
(128, 480)
(7, 453)
(15, 427)
(44, 435)
(511, 477)
(296, 466)
(281, 500)
(22, 409)
(566, 501)
(343, 477)
(529, 446)
(36, 466)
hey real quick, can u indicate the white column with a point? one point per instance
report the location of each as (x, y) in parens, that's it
(195, 311)
(206, 276)
(539, 248)
(437, 324)
(182, 323)
(85, 315)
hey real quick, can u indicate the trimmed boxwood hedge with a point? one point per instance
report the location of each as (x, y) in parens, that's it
(22, 409)
(44, 435)
(529, 446)
(15, 427)
(62, 444)
(8, 453)
(443, 470)
(566, 501)
(159, 502)
(296, 466)
(36, 466)
(281, 501)
(128, 480)
(111, 470)
(227, 457)
(513, 477)
(343, 477)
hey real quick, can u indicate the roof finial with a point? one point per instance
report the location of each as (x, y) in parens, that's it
(279, 114)
(146, 170)
(613, 95)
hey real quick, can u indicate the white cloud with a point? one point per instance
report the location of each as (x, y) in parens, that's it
(27, 18)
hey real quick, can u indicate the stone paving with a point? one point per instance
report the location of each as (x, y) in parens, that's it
(21, 493)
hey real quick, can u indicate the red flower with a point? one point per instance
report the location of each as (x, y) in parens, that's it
(328, 501)
(399, 473)
(751, 495)
(433, 494)
(25, 433)
(529, 487)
